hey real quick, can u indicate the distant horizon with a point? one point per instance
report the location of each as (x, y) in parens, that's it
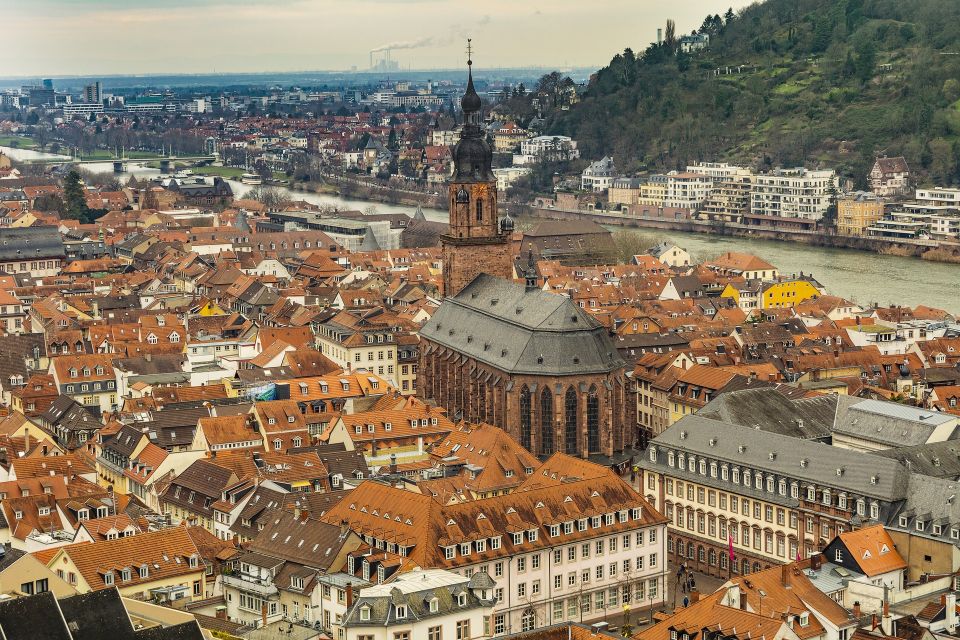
(204, 37)
(477, 70)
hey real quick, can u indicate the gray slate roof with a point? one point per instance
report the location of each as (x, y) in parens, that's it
(518, 330)
(935, 459)
(768, 409)
(31, 243)
(888, 423)
(408, 592)
(861, 473)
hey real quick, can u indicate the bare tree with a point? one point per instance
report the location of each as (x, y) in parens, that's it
(670, 35)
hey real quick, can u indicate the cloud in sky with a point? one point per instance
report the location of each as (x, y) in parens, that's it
(80, 37)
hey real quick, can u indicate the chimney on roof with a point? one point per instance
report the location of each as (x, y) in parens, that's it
(26, 440)
(815, 560)
(856, 609)
(263, 614)
(743, 600)
(344, 528)
(785, 575)
(694, 596)
(886, 623)
(393, 463)
(349, 595)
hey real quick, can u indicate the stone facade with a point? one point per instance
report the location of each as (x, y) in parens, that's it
(578, 415)
(464, 260)
(476, 242)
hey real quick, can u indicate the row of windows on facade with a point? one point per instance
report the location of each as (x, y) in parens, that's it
(86, 371)
(762, 539)
(710, 498)
(571, 415)
(532, 535)
(577, 606)
(433, 633)
(575, 579)
(757, 480)
(97, 386)
(42, 264)
(400, 610)
(143, 572)
(387, 426)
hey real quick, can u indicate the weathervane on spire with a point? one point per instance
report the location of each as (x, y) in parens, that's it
(470, 51)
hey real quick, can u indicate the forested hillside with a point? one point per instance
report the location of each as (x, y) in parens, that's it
(827, 83)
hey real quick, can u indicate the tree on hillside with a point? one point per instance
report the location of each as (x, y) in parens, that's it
(866, 61)
(670, 36)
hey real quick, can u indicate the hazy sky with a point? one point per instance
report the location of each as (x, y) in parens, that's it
(81, 37)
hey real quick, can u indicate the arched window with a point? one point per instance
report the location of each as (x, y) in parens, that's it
(546, 422)
(525, 417)
(593, 421)
(571, 409)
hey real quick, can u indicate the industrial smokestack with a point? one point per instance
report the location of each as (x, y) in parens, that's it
(659, 36)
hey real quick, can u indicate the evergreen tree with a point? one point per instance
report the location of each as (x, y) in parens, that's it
(74, 197)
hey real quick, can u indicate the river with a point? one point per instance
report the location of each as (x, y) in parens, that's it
(860, 276)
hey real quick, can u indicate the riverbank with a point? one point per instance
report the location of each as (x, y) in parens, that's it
(929, 250)
(368, 192)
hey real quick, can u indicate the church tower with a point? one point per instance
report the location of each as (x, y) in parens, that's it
(477, 242)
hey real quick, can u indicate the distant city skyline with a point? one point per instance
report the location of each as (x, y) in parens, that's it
(47, 38)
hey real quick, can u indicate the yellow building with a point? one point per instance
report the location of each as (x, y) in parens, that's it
(158, 565)
(653, 194)
(788, 293)
(857, 212)
(624, 191)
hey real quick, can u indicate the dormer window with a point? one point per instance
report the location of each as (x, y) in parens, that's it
(144, 571)
(434, 605)
(401, 611)
(462, 599)
(108, 578)
(365, 613)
